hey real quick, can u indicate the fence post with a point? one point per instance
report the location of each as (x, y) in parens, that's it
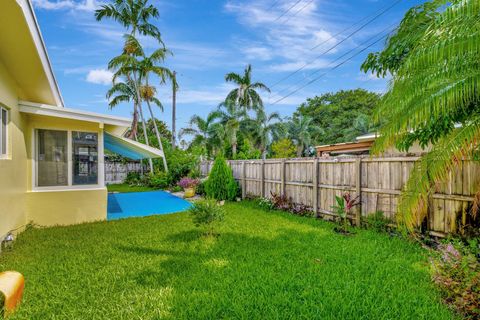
(244, 182)
(358, 216)
(282, 186)
(262, 178)
(315, 187)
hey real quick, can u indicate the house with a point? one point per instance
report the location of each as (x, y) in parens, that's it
(51, 156)
(362, 146)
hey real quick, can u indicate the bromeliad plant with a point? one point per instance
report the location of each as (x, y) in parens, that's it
(344, 207)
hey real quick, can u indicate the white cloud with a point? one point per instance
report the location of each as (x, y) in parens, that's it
(289, 38)
(100, 76)
(82, 5)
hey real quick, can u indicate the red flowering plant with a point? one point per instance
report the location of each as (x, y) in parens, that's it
(344, 206)
(186, 183)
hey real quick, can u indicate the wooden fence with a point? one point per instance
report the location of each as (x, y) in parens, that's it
(116, 172)
(378, 182)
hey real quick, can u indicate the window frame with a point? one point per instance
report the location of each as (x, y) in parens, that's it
(70, 186)
(5, 155)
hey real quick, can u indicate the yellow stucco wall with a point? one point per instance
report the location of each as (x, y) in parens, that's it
(67, 207)
(13, 173)
(48, 208)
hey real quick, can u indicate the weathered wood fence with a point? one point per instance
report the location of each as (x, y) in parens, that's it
(116, 172)
(378, 181)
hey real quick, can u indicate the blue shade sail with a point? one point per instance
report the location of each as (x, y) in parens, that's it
(129, 148)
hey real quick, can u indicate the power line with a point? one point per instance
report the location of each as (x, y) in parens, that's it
(333, 68)
(337, 44)
(273, 5)
(288, 10)
(301, 9)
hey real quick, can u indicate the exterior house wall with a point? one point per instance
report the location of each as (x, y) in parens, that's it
(69, 206)
(13, 173)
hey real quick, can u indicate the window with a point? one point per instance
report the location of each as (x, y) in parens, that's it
(85, 158)
(66, 158)
(3, 132)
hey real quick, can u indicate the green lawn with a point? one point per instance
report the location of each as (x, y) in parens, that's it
(264, 265)
(123, 187)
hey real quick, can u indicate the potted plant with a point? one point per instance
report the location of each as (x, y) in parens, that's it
(188, 185)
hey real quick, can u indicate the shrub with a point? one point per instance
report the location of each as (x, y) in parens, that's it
(344, 206)
(206, 213)
(176, 189)
(220, 184)
(159, 180)
(377, 221)
(283, 148)
(457, 272)
(200, 190)
(133, 179)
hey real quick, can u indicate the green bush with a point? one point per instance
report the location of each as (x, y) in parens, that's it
(133, 179)
(377, 221)
(200, 190)
(158, 180)
(205, 213)
(220, 184)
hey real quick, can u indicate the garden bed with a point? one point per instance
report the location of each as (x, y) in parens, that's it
(259, 265)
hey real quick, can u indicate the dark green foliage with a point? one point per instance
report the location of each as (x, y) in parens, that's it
(206, 213)
(159, 180)
(377, 221)
(265, 265)
(200, 190)
(220, 184)
(337, 113)
(133, 179)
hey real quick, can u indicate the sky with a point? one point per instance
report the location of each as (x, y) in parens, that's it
(292, 45)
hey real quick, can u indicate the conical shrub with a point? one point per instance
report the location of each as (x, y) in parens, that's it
(220, 184)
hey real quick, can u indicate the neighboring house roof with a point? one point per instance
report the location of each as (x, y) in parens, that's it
(347, 147)
(24, 55)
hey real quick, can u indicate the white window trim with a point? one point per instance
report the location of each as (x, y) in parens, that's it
(7, 145)
(70, 187)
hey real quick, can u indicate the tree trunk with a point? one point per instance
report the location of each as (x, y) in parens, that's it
(174, 108)
(157, 133)
(299, 151)
(145, 135)
(234, 149)
(134, 128)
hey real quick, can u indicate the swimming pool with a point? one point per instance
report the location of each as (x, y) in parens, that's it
(142, 204)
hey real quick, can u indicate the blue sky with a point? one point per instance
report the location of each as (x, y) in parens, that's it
(212, 37)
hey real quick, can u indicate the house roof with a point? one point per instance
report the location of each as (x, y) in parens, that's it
(23, 53)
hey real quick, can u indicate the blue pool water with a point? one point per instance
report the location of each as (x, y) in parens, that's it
(141, 204)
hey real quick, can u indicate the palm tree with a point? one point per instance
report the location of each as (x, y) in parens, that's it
(134, 15)
(121, 92)
(230, 117)
(438, 80)
(301, 130)
(202, 130)
(262, 128)
(149, 65)
(245, 95)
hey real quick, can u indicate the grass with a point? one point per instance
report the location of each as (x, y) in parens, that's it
(123, 187)
(263, 265)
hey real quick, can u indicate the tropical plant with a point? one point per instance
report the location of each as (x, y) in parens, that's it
(220, 184)
(343, 115)
(301, 129)
(230, 117)
(262, 128)
(133, 15)
(437, 79)
(344, 207)
(245, 95)
(201, 130)
(207, 213)
(125, 92)
(283, 148)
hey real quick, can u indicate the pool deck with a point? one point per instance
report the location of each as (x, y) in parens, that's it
(142, 204)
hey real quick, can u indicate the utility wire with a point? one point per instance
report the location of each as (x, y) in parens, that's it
(301, 9)
(273, 5)
(334, 67)
(338, 43)
(288, 10)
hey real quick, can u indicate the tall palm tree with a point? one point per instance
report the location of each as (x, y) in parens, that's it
(202, 130)
(133, 15)
(301, 130)
(231, 117)
(262, 128)
(439, 79)
(148, 65)
(246, 95)
(121, 92)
